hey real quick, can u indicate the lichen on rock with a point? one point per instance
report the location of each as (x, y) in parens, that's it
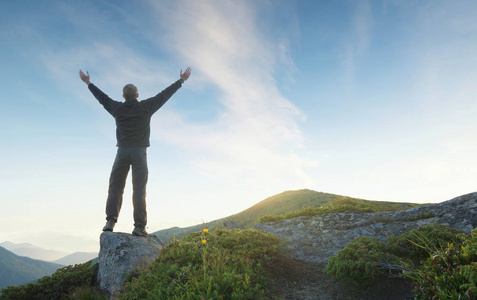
(120, 254)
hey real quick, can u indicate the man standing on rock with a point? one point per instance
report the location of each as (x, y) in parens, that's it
(133, 119)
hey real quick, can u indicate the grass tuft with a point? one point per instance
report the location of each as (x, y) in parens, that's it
(219, 265)
(341, 205)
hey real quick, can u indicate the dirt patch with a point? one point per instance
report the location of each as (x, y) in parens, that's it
(294, 279)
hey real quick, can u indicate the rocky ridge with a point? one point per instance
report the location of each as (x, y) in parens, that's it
(313, 239)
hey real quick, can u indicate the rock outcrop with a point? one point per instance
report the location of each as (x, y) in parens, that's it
(316, 238)
(120, 254)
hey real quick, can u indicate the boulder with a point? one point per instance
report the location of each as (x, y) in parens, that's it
(120, 254)
(316, 238)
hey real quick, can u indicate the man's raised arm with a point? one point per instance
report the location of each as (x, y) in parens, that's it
(156, 102)
(108, 103)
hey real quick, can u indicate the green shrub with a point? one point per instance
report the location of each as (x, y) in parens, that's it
(84, 293)
(220, 265)
(59, 284)
(367, 259)
(362, 260)
(450, 273)
(419, 243)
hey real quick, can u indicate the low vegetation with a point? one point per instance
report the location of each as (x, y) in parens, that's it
(219, 265)
(72, 282)
(342, 204)
(450, 272)
(441, 260)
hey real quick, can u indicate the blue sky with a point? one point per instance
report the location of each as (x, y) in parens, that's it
(369, 99)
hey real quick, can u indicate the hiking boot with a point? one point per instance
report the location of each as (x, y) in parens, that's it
(140, 231)
(109, 225)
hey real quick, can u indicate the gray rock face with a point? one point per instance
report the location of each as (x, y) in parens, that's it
(315, 239)
(120, 254)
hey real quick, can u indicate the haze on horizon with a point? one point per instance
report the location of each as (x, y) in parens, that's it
(369, 99)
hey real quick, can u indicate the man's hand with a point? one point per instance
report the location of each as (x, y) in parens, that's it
(186, 74)
(85, 77)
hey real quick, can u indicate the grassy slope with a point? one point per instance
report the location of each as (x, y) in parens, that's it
(278, 204)
(282, 203)
(16, 269)
(340, 205)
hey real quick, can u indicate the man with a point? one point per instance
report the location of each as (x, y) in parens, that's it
(133, 119)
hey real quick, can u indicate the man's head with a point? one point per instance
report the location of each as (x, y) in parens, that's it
(130, 92)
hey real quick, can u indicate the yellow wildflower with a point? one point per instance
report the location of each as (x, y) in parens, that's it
(204, 242)
(205, 230)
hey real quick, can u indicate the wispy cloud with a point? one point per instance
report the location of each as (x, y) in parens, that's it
(256, 133)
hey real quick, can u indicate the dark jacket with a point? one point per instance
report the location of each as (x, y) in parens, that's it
(133, 118)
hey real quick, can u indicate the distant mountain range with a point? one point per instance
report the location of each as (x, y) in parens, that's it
(15, 270)
(274, 205)
(34, 252)
(23, 263)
